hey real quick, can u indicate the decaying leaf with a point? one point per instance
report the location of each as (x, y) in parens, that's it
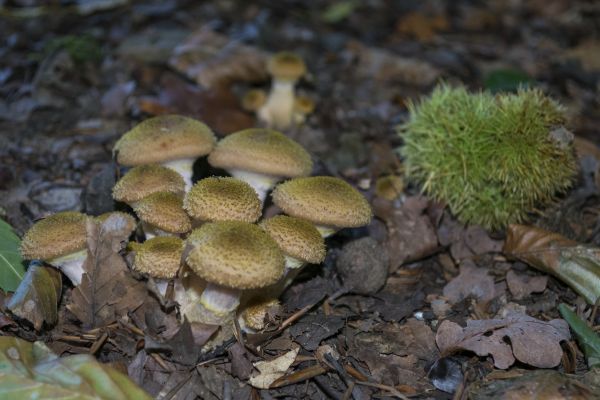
(575, 264)
(270, 371)
(12, 269)
(530, 340)
(212, 60)
(31, 370)
(587, 338)
(522, 286)
(107, 289)
(472, 281)
(36, 298)
(310, 330)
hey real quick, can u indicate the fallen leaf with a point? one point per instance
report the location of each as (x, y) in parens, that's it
(422, 27)
(212, 60)
(534, 385)
(306, 293)
(310, 330)
(575, 264)
(530, 340)
(522, 286)
(270, 371)
(37, 297)
(31, 370)
(12, 269)
(241, 367)
(471, 281)
(588, 339)
(404, 225)
(397, 306)
(107, 289)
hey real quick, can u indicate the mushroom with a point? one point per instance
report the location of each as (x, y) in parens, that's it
(159, 257)
(162, 214)
(59, 240)
(302, 107)
(252, 319)
(231, 256)
(278, 111)
(254, 99)
(144, 180)
(328, 202)
(174, 141)
(222, 199)
(261, 157)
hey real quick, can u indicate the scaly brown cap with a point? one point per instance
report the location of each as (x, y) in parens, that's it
(323, 200)
(144, 180)
(296, 237)
(254, 99)
(164, 138)
(235, 254)
(222, 199)
(55, 236)
(286, 66)
(254, 314)
(129, 220)
(165, 211)
(262, 151)
(304, 105)
(159, 257)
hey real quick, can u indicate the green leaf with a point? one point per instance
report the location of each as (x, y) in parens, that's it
(587, 338)
(32, 371)
(12, 268)
(339, 11)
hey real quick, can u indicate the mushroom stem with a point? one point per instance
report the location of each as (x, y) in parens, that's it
(150, 231)
(326, 231)
(261, 183)
(278, 111)
(183, 167)
(220, 300)
(71, 265)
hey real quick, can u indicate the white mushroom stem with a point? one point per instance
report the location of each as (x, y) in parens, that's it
(220, 300)
(326, 231)
(152, 231)
(185, 168)
(261, 183)
(278, 111)
(71, 265)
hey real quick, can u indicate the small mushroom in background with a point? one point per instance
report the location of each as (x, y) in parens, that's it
(286, 69)
(222, 199)
(144, 180)
(162, 214)
(328, 202)
(159, 257)
(253, 318)
(261, 157)
(253, 100)
(173, 141)
(363, 265)
(59, 240)
(231, 256)
(302, 107)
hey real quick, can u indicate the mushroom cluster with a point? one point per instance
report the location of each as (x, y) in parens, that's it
(207, 236)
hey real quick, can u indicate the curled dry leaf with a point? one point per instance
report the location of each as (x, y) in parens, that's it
(530, 340)
(472, 281)
(270, 371)
(107, 289)
(36, 298)
(522, 286)
(576, 265)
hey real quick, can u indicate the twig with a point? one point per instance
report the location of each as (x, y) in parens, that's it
(299, 376)
(98, 343)
(390, 389)
(161, 362)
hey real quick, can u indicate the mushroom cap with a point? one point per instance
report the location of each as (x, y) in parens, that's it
(164, 210)
(223, 199)
(323, 200)
(296, 238)
(55, 236)
(286, 66)
(254, 99)
(262, 151)
(159, 257)
(144, 180)
(164, 138)
(304, 105)
(130, 221)
(255, 313)
(235, 254)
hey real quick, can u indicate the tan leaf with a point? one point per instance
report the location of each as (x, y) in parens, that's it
(270, 371)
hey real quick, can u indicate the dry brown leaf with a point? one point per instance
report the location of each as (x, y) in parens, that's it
(270, 371)
(522, 286)
(107, 289)
(530, 340)
(471, 281)
(212, 60)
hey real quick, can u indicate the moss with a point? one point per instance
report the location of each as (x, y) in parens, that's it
(492, 159)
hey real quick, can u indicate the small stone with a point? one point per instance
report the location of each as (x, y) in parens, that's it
(98, 193)
(363, 265)
(58, 199)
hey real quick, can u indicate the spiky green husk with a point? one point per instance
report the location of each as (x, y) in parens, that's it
(490, 158)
